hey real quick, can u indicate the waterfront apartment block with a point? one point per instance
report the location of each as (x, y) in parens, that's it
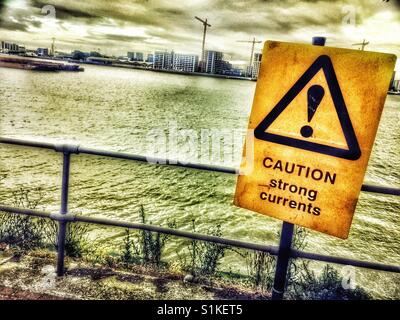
(256, 65)
(9, 47)
(42, 52)
(150, 58)
(135, 56)
(185, 62)
(164, 60)
(395, 85)
(215, 63)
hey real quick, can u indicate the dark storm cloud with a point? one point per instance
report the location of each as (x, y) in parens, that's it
(267, 24)
(64, 12)
(94, 11)
(282, 16)
(14, 26)
(172, 12)
(20, 20)
(238, 15)
(123, 38)
(174, 37)
(2, 5)
(169, 24)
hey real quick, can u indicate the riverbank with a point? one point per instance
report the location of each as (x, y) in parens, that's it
(55, 61)
(32, 276)
(183, 73)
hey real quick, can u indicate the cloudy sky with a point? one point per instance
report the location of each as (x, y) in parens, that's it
(116, 26)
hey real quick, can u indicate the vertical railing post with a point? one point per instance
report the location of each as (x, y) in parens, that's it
(62, 230)
(285, 244)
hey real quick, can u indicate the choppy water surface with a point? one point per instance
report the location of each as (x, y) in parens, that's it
(114, 109)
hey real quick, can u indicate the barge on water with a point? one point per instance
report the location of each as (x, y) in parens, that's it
(28, 63)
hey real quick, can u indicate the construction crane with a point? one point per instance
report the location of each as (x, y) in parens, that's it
(362, 44)
(254, 41)
(205, 24)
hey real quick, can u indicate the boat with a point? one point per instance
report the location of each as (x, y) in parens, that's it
(36, 64)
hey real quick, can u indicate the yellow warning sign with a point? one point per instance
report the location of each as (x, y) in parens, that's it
(315, 115)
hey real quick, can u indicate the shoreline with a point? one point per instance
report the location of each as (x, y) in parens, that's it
(129, 66)
(185, 73)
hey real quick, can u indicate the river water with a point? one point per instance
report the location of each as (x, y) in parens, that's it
(115, 109)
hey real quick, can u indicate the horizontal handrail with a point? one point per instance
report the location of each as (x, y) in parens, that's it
(76, 149)
(346, 261)
(273, 250)
(139, 226)
(381, 189)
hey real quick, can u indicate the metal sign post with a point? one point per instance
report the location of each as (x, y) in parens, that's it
(285, 244)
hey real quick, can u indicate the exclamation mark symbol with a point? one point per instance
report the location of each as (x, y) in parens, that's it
(314, 96)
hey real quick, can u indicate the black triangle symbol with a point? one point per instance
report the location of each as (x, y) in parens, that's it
(322, 62)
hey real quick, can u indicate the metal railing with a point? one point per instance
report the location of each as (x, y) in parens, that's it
(284, 251)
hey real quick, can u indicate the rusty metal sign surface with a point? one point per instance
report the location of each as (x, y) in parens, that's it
(315, 115)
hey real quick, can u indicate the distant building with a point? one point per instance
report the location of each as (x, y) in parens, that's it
(139, 56)
(249, 71)
(150, 58)
(135, 56)
(164, 60)
(185, 62)
(233, 71)
(9, 47)
(396, 85)
(237, 72)
(215, 64)
(42, 52)
(256, 65)
(226, 68)
(391, 86)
